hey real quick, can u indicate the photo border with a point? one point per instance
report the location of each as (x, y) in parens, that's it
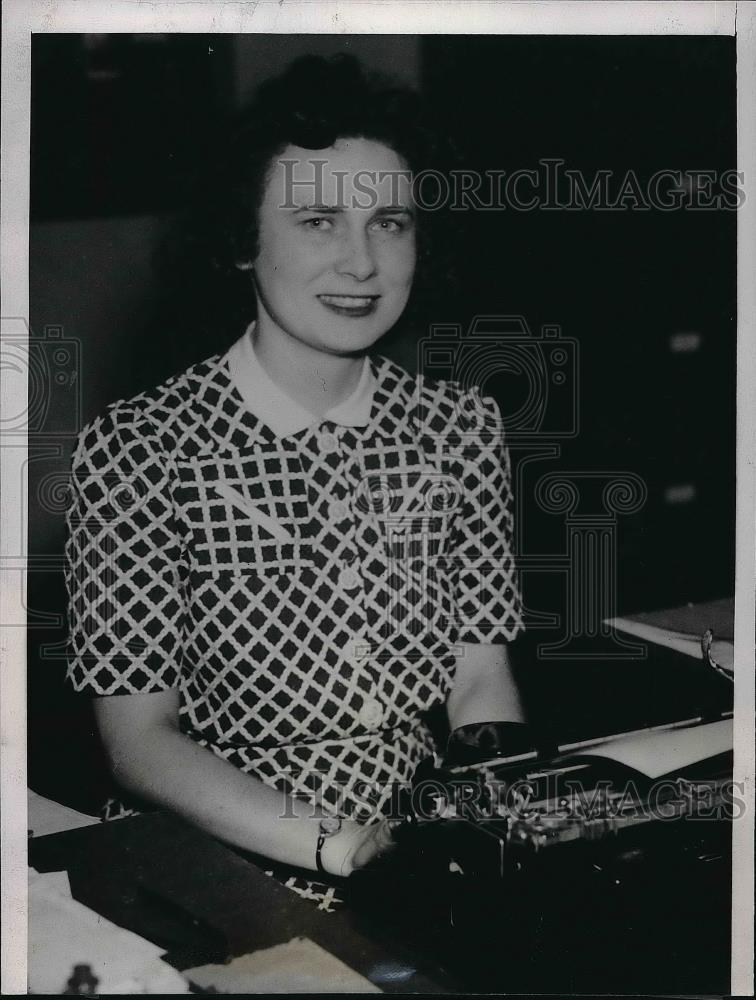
(21, 18)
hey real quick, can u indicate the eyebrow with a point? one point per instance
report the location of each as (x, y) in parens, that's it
(335, 209)
(329, 209)
(394, 210)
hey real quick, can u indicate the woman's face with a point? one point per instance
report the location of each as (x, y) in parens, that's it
(337, 244)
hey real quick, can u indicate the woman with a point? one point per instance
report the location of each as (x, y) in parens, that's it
(283, 558)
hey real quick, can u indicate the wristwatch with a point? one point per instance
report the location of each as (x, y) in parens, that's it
(329, 827)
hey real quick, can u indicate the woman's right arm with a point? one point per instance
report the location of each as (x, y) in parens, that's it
(151, 757)
(126, 609)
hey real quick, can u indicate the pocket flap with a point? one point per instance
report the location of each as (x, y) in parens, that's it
(240, 517)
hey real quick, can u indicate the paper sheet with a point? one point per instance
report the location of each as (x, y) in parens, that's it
(657, 753)
(693, 619)
(722, 650)
(64, 933)
(47, 816)
(299, 966)
(681, 628)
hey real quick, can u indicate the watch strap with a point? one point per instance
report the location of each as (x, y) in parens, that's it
(319, 852)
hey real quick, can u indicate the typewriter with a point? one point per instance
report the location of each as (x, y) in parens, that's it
(598, 865)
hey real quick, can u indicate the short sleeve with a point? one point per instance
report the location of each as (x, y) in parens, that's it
(488, 603)
(122, 562)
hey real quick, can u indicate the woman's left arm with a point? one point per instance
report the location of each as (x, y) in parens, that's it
(484, 688)
(485, 710)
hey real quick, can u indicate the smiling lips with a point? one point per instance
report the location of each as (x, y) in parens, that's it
(350, 305)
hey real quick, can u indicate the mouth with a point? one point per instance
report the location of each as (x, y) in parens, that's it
(350, 305)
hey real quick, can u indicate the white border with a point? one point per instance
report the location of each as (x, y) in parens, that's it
(21, 17)
(467, 17)
(742, 980)
(14, 285)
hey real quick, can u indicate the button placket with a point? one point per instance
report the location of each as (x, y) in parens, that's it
(332, 514)
(372, 712)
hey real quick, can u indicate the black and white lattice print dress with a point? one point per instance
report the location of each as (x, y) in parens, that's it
(305, 592)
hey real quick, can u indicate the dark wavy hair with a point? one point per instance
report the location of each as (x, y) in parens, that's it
(312, 104)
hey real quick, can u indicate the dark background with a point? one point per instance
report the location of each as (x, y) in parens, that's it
(121, 123)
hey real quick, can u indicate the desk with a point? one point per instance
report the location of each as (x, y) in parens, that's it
(64, 933)
(201, 901)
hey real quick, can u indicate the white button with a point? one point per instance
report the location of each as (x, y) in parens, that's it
(349, 578)
(328, 443)
(337, 510)
(371, 713)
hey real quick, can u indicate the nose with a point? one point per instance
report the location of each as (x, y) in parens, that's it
(356, 258)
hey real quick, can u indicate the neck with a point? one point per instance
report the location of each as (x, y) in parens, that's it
(316, 379)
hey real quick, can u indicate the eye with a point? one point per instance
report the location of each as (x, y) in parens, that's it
(319, 224)
(390, 225)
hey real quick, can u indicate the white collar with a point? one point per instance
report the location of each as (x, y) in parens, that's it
(284, 415)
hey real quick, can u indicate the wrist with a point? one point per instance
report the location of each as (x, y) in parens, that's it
(337, 851)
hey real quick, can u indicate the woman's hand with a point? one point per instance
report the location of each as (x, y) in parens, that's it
(355, 845)
(151, 757)
(482, 741)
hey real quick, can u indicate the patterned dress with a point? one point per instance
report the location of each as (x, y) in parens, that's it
(305, 593)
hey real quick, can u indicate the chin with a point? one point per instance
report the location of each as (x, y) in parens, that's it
(353, 340)
(353, 347)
